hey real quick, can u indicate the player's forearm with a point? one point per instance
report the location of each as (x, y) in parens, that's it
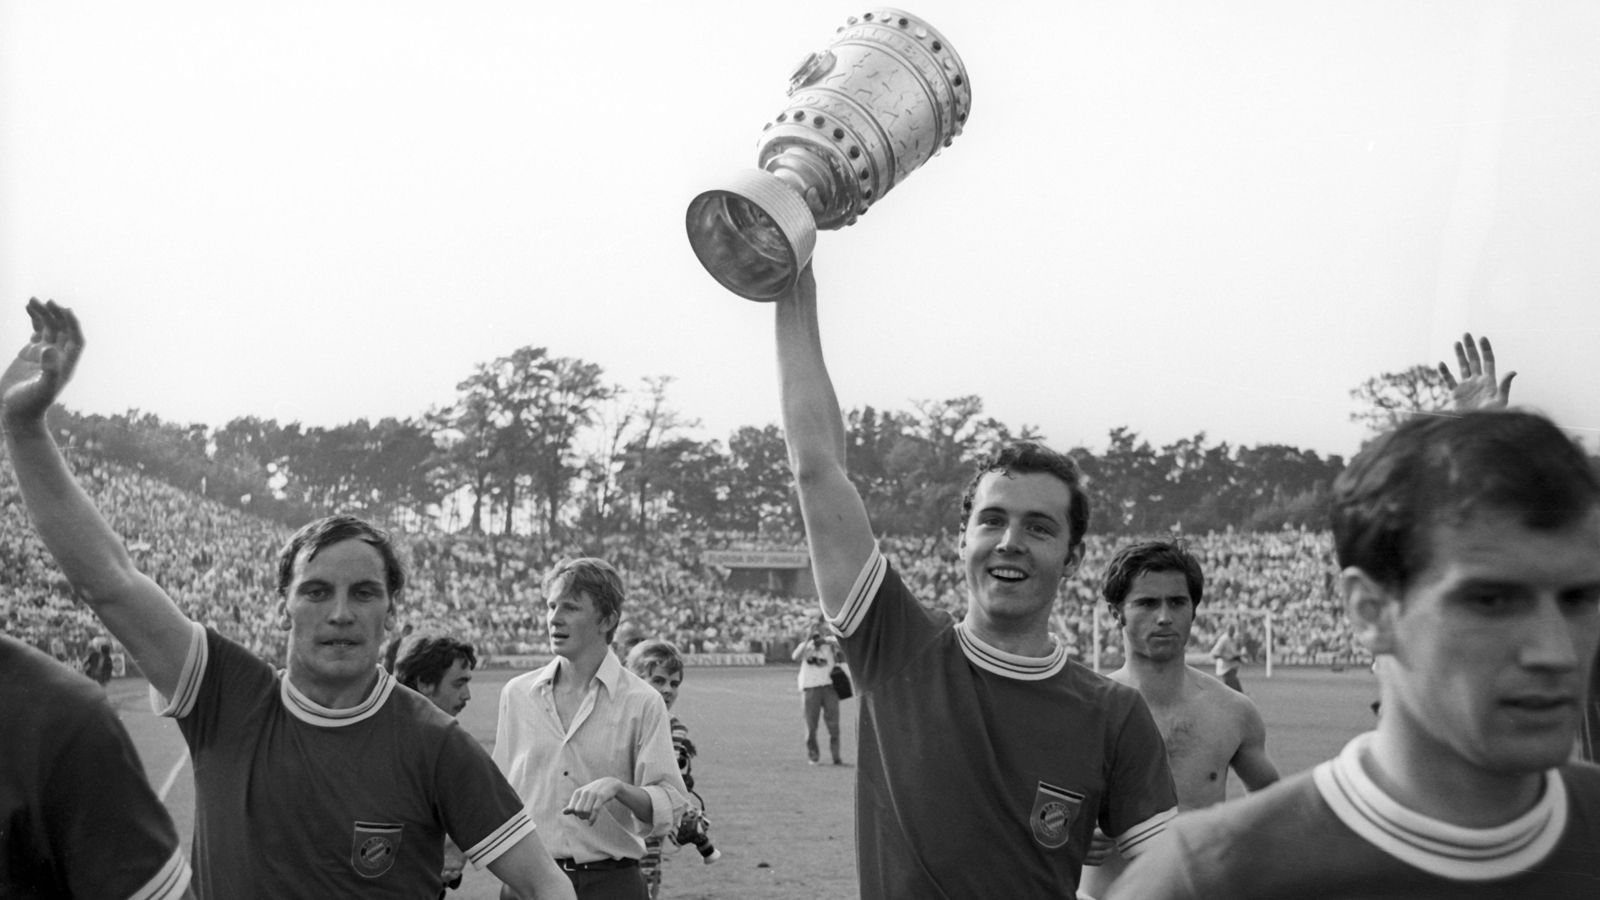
(90, 554)
(813, 425)
(529, 872)
(639, 802)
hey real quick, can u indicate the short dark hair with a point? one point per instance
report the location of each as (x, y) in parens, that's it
(646, 655)
(595, 577)
(314, 537)
(1440, 470)
(426, 659)
(1026, 458)
(1151, 556)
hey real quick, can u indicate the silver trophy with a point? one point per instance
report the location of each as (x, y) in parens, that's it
(882, 99)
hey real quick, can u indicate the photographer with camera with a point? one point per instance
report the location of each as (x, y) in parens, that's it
(818, 655)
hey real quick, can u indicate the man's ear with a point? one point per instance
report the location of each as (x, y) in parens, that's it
(1074, 557)
(1371, 608)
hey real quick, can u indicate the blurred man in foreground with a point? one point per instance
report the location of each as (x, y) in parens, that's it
(77, 818)
(1470, 556)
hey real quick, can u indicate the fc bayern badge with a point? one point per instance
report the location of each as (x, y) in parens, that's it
(1054, 810)
(374, 847)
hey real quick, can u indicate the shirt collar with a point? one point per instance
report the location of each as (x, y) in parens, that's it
(1010, 665)
(313, 713)
(609, 673)
(1452, 851)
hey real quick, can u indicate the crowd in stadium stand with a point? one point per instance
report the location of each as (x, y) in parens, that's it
(219, 565)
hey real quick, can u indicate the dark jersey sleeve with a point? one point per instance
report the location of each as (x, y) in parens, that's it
(883, 625)
(482, 812)
(111, 834)
(1140, 795)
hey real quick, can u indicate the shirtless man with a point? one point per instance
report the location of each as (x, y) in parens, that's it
(1153, 589)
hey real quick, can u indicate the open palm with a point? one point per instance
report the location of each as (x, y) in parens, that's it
(1477, 387)
(44, 365)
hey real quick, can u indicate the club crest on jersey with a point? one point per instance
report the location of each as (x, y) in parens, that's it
(374, 847)
(1054, 810)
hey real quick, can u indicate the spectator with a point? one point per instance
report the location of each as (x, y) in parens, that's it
(660, 666)
(818, 655)
(587, 744)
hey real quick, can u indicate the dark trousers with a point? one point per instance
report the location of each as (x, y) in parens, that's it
(610, 884)
(821, 700)
(604, 884)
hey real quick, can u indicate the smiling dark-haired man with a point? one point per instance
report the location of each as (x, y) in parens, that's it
(986, 755)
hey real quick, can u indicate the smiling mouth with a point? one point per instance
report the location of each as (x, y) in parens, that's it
(1008, 574)
(341, 642)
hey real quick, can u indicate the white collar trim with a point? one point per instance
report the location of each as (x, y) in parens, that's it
(1450, 851)
(313, 713)
(1010, 665)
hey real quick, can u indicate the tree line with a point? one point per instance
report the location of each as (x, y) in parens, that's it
(543, 446)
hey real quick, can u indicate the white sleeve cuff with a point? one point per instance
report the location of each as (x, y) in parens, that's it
(194, 670)
(168, 884)
(1132, 842)
(859, 600)
(501, 839)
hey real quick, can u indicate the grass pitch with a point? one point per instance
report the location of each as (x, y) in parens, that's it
(785, 827)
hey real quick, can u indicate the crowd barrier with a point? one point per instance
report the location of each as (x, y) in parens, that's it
(535, 660)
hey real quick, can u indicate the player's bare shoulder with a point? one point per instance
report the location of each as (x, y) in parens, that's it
(1223, 702)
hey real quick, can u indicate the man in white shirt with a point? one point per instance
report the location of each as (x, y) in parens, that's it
(588, 744)
(818, 655)
(1228, 656)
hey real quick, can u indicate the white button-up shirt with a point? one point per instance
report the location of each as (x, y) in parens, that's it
(621, 729)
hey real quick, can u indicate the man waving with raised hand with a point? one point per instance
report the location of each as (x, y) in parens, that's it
(319, 780)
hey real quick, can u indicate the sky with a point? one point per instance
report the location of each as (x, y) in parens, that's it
(1179, 217)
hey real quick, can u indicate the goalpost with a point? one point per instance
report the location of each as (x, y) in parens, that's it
(1221, 617)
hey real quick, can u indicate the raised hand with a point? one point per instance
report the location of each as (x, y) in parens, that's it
(1477, 388)
(44, 365)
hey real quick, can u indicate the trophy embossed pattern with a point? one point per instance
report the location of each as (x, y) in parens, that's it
(885, 96)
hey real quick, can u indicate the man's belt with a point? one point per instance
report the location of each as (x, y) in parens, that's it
(567, 864)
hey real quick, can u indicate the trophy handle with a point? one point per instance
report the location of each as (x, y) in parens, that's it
(754, 233)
